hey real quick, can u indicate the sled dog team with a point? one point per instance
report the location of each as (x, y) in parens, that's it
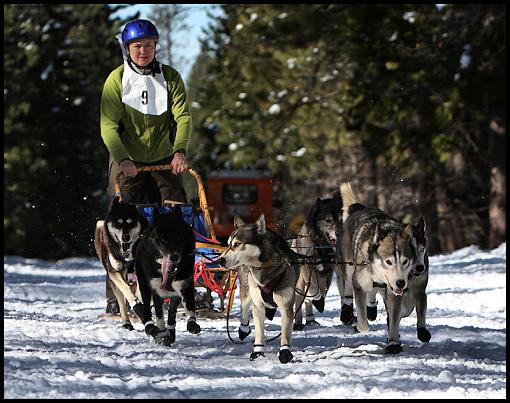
(369, 251)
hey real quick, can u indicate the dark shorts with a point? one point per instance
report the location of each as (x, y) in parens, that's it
(146, 187)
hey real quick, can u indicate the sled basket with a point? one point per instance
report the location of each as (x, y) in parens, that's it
(207, 272)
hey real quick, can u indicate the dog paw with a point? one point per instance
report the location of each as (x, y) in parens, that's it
(347, 314)
(371, 312)
(166, 341)
(243, 334)
(312, 323)
(423, 334)
(128, 326)
(193, 327)
(298, 326)
(255, 355)
(393, 348)
(165, 338)
(285, 356)
(319, 304)
(270, 312)
(151, 330)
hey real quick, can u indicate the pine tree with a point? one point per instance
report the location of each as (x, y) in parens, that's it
(55, 162)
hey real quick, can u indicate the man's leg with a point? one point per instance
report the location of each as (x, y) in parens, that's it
(170, 186)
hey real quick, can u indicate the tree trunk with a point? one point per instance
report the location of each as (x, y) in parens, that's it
(497, 204)
(426, 200)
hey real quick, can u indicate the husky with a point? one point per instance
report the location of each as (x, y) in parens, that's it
(115, 240)
(418, 280)
(381, 254)
(165, 259)
(317, 239)
(268, 272)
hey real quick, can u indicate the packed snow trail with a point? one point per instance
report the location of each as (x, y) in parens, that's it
(56, 346)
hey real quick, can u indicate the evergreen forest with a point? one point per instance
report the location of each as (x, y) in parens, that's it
(407, 101)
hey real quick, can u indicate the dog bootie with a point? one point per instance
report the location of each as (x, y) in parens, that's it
(347, 314)
(371, 312)
(193, 327)
(312, 323)
(244, 331)
(166, 338)
(393, 347)
(319, 304)
(423, 334)
(128, 326)
(285, 355)
(151, 329)
(258, 351)
(298, 326)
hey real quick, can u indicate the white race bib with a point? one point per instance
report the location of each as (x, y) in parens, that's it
(145, 93)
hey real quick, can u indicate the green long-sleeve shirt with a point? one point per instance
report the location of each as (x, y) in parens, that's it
(128, 133)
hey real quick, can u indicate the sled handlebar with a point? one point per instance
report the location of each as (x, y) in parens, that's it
(200, 190)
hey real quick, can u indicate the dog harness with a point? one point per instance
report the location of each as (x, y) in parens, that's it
(266, 290)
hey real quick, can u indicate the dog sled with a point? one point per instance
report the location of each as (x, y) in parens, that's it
(208, 273)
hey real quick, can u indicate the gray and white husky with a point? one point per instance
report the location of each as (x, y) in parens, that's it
(268, 273)
(416, 295)
(115, 240)
(317, 239)
(418, 280)
(382, 254)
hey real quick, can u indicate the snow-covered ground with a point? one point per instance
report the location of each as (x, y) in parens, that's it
(56, 346)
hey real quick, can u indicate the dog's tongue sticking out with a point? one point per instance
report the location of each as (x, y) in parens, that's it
(166, 267)
(398, 291)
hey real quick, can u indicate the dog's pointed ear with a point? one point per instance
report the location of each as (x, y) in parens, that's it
(318, 201)
(261, 224)
(115, 201)
(238, 222)
(407, 232)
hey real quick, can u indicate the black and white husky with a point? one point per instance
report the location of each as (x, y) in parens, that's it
(165, 258)
(115, 240)
(267, 277)
(317, 239)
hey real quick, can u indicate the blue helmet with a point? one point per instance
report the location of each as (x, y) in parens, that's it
(139, 29)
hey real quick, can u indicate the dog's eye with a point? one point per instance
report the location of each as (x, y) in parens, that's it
(405, 262)
(421, 249)
(120, 221)
(388, 262)
(129, 220)
(235, 244)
